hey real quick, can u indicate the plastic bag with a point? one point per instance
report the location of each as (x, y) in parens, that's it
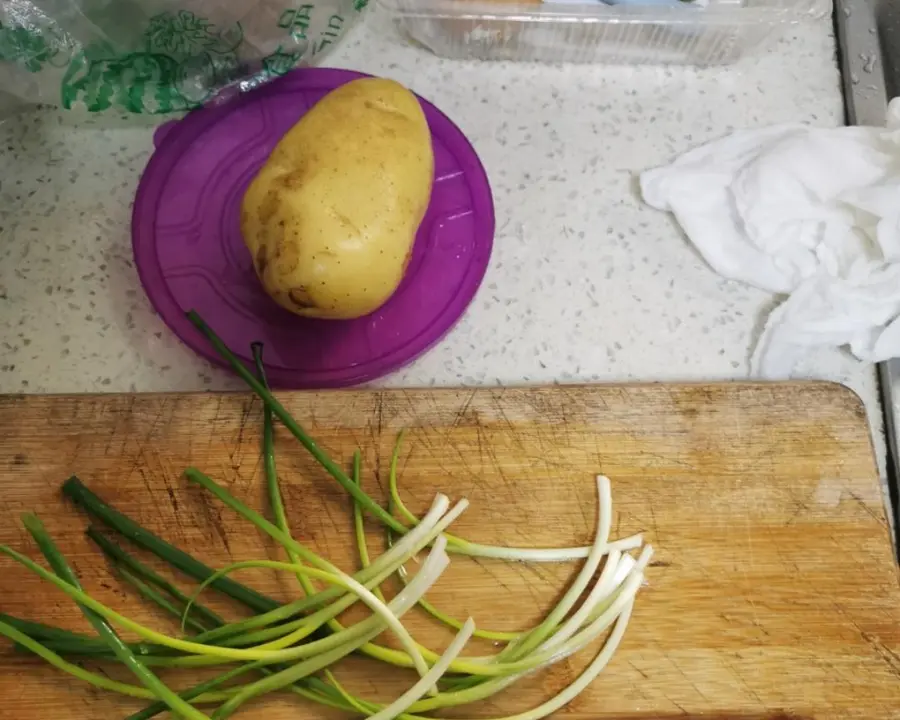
(159, 56)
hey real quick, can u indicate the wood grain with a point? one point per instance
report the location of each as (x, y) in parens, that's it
(773, 593)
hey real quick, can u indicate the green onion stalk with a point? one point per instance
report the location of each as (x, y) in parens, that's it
(68, 581)
(294, 646)
(455, 544)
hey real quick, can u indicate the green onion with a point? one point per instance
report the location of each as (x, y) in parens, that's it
(455, 544)
(289, 644)
(75, 490)
(434, 565)
(355, 703)
(377, 606)
(383, 568)
(298, 432)
(99, 681)
(386, 654)
(407, 699)
(494, 635)
(268, 449)
(195, 692)
(586, 677)
(359, 527)
(149, 593)
(281, 521)
(120, 557)
(65, 575)
(464, 547)
(94, 647)
(193, 647)
(598, 550)
(40, 631)
(79, 596)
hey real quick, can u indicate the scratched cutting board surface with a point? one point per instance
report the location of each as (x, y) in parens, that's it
(773, 593)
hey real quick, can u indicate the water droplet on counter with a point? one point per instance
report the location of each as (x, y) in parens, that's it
(870, 61)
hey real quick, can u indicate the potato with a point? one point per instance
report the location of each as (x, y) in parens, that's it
(331, 217)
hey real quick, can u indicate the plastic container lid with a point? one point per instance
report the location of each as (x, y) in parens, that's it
(190, 255)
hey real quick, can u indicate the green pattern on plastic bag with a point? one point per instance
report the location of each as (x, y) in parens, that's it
(179, 59)
(184, 33)
(28, 49)
(185, 61)
(296, 21)
(280, 62)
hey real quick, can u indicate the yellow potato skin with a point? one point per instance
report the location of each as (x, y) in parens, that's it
(331, 217)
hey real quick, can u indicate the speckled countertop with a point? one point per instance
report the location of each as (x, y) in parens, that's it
(585, 283)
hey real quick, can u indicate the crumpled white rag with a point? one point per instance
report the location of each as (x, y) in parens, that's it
(810, 213)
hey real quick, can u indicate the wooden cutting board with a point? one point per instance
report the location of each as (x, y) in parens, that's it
(773, 594)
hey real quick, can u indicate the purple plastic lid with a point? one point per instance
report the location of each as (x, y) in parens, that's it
(190, 254)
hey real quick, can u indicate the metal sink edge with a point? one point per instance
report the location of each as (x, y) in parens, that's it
(868, 35)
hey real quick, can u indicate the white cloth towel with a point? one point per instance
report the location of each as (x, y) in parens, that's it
(810, 213)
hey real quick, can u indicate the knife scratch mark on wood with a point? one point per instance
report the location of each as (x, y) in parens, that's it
(212, 425)
(881, 520)
(246, 409)
(461, 413)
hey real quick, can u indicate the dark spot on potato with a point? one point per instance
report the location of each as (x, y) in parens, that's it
(20, 459)
(300, 298)
(407, 258)
(262, 259)
(268, 207)
(294, 179)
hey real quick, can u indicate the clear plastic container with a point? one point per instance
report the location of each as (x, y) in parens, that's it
(716, 32)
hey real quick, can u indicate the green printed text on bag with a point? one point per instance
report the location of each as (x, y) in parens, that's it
(162, 56)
